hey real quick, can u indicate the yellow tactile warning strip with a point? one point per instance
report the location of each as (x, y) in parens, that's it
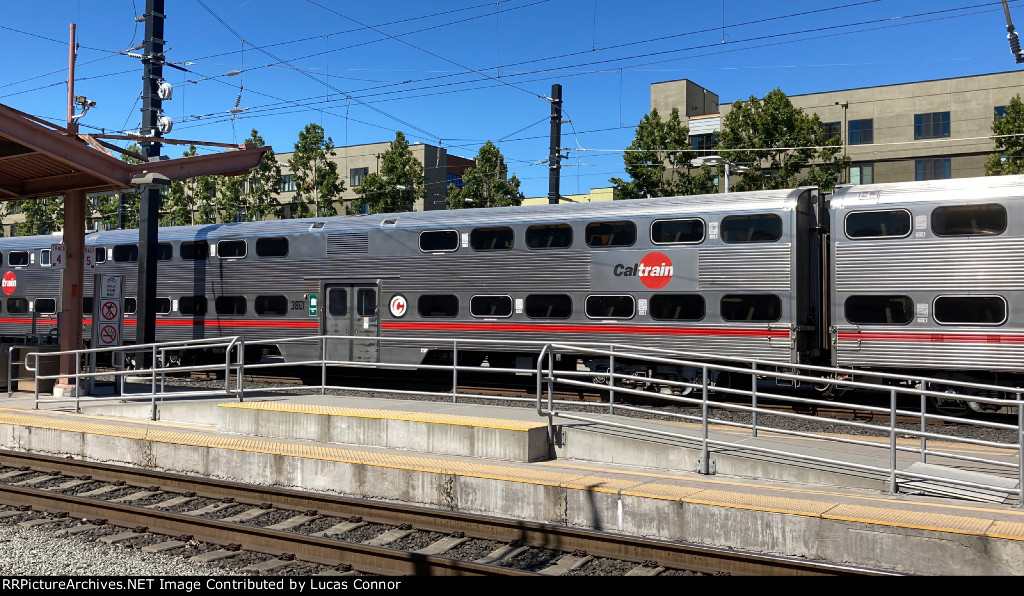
(983, 523)
(497, 423)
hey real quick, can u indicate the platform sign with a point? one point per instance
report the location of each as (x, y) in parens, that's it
(312, 305)
(90, 258)
(58, 256)
(108, 325)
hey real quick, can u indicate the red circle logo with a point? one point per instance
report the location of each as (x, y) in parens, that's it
(655, 270)
(9, 283)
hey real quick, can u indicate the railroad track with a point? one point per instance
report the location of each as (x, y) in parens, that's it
(265, 530)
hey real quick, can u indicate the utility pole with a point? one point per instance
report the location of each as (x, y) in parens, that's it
(149, 200)
(555, 154)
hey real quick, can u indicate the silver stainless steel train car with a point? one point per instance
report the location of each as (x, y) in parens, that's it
(920, 278)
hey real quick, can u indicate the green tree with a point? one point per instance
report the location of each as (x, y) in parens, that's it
(1008, 131)
(262, 184)
(189, 201)
(42, 216)
(783, 146)
(317, 184)
(658, 161)
(398, 184)
(487, 184)
(108, 207)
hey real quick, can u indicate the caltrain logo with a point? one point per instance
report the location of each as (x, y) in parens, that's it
(398, 306)
(9, 283)
(654, 270)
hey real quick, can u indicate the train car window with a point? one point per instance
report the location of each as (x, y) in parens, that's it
(490, 306)
(969, 220)
(758, 227)
(677, 307)
(491, 239)
(130, 306)
(230, 305)
(271, 306)
(198, 250)
(548, 306)
(46, 306)
(126, 253)
(163, 306)
(87, 305)
(440, 241)
(17, 258)
(231, 249)
(761, 308)
(366, 302)
(192, 305)
(17, 306)
(879, 310)
(677, 231)
(438, 305)
(164, 251)
(337, 302)
(970, 310)
(889, 223)
(610, 233)
(610, 307)
(101, 254)
(549, 236)
(1, 259)
(44, 257)
(272, 247)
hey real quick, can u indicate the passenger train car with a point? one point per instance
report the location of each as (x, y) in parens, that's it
(921, 278)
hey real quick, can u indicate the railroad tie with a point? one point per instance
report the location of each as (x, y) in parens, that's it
(388, 537)
(163, 546)
(39, 522)
(68, 485)
(565, 564)
(339, 529)
(214, 555)
(643, 570)
(247, 515)
(171, 502)
(442, 545)
(114, 539)
(142, 494)
(291, 522)
(502, 554)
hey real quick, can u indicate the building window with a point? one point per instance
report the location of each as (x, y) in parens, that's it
(862, 174)
(999, 112)
(703, 142)
(453, 180)
(288, 183)
(832, 130)
(860, 132)
(969, 220)
(939, 168)
(356, 176)
(933, 125)
(879, 310)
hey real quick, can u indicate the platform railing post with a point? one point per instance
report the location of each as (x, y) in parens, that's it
(323, 365)
(78, 383)
(10, 370)
(705, 453)
(892, 442)
(611, 380)
(1020, 452)
(753, 399)
(924, 422)
(455, 371)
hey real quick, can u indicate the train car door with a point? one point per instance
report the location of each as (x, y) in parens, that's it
(351, 310)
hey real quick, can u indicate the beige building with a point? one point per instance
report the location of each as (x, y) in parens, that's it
(911, 131)
(595, 195)
(356, 161)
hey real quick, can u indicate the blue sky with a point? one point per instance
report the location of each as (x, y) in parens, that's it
(461, 72)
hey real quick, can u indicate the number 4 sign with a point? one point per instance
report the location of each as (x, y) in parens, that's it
(58, 255)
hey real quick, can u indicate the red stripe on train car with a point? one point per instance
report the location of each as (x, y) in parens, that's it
(596, 328)
(187, 323)
(920, 337)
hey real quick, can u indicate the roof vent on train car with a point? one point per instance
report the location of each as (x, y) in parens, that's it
(316, 225)
(389, 223)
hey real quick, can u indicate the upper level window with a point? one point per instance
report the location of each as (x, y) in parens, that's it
(610, 307)
(491, 239)
(759, 227)
(198, 250)
(860, 132)
(126, 253)
(288, 183)
(164, 251)
(101, 254)
(272, 247)
(878, 224)
(702, 142)
(763, 308)
(44, 257)
(356, 176)
(611, 233)
(970, 310)
(490, 306)
(548, 306)
(933, 125)
(879, 310)
(443, 240)
(17, 258)
(939, 168)
(231, 249)
(998, 112)
(549, 236)
(832, 130)
(969, 220)
(438, 305)
(674, 231)
(163, 306)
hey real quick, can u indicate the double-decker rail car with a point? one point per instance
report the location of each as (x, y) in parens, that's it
(917, 278)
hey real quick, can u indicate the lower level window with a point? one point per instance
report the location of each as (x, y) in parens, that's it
(762, 308)
(17, 306)
(610, 307)
(879, 310)
(933, 169)
(970, 310)
(46, 306)
(230, 305)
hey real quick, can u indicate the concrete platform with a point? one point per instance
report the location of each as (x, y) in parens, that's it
(482, 459)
